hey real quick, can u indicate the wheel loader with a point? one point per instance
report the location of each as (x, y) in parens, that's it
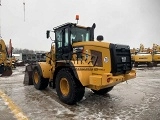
(142, 57)
(76, 61)
(156, 54)
(5, 63)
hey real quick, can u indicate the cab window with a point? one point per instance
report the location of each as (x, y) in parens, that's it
(59, 38)
(66, 38)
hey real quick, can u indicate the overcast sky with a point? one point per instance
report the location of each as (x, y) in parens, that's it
(120, 21)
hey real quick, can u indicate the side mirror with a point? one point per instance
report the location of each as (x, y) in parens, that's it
(48, 34)
(100, 38)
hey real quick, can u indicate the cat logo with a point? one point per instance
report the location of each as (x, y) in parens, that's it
(123, 59)
(106, 59)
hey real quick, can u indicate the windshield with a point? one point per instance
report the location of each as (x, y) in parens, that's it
(143, 53)
(80, 34)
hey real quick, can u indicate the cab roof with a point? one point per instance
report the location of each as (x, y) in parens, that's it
(68, 24)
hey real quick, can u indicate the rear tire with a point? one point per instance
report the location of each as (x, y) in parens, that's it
(39, 82)
(102, 91)
(68, 89)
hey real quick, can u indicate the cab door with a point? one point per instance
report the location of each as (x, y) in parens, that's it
(67, 47)
(63, 45)
(58, 43)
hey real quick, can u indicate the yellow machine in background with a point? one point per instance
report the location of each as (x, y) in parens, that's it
(76, 61)
(14, 61)
(5, 63)
(143, 56)
(156, 54)
(133, 52)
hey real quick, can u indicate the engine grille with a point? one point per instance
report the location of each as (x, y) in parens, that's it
(120, 59)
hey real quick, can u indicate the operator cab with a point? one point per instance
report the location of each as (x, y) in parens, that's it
(69, 33)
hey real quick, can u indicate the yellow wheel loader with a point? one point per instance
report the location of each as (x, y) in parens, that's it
(143, 56)
(76, 61)
(132, 54)
(5, 63)
(156, 54)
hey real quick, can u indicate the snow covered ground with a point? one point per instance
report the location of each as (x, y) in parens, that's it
(139, 99)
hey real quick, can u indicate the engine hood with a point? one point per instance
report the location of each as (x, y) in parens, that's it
(92, 43)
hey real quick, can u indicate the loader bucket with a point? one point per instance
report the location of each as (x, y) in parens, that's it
(7, 72)
(28, 75)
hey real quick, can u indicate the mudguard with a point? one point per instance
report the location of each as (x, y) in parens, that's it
(44, 68)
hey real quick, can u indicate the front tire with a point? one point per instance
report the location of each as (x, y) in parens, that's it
(39, 81)
(102, 91)
(68, 89)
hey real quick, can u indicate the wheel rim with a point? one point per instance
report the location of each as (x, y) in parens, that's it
(64, 86)
(36, 77)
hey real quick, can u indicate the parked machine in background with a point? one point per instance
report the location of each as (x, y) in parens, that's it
(76, 61)
(156, 54)
(5, 63)
(143, 56)
(133, 52)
